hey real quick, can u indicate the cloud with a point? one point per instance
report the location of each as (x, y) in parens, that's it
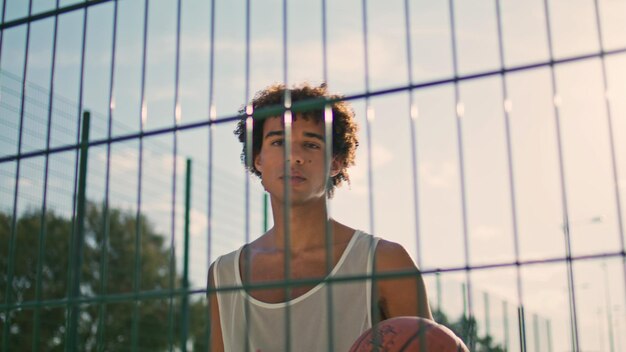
(8, 179)
(440, 174)
(198, 219)
(485, 232)
(166, 160)
(199, 223)
(381, 157)
(122, 161)
(127, 160)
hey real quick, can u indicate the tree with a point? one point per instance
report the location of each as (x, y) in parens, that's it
(465, 328)
(108, 270)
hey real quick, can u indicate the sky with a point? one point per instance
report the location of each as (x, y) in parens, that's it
(455, 171)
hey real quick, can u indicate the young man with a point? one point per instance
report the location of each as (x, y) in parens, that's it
(310, 314)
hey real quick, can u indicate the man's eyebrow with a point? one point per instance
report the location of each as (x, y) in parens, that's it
(314, 135)
(306, 134)
(274, 133)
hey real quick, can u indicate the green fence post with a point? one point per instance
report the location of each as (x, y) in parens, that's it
(487, 314)
(466, 317)
(521, 324)
(505, 323)
(185, 297)
(536, 332)
(76, 255)
(549, 333)
(438, 277)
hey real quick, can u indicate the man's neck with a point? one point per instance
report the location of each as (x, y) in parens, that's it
(307, 225)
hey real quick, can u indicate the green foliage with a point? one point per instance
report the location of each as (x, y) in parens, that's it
(23, 284)
(465, 328)
(109, 269)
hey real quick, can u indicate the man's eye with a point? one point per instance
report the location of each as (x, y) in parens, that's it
(278, 142)
(312, 146)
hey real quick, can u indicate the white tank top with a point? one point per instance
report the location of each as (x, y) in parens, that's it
(309, 320)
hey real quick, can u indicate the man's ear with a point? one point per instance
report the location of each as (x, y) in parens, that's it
(335, 166)
(257, 163)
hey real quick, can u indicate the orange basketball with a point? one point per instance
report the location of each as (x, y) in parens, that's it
(408, 334)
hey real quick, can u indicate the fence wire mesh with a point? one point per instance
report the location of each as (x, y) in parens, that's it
(492, 147)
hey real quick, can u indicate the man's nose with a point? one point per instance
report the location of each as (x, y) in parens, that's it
(296, 155)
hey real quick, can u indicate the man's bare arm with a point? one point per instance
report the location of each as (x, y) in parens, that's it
(217, 343)
(405, 296)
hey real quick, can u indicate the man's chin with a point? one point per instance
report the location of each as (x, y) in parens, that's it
(298, 199)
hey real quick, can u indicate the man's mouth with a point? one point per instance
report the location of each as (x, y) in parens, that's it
(295, 179)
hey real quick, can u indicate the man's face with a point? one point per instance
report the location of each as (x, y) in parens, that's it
(306, 161)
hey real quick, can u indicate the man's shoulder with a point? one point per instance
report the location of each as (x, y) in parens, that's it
(392, 256)
(226, 258)
(389, 248)
(385, 249)
(223, 268)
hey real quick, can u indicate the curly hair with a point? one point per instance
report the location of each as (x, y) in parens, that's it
(344, 139)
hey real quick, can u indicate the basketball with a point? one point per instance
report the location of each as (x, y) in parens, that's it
(408, 334)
